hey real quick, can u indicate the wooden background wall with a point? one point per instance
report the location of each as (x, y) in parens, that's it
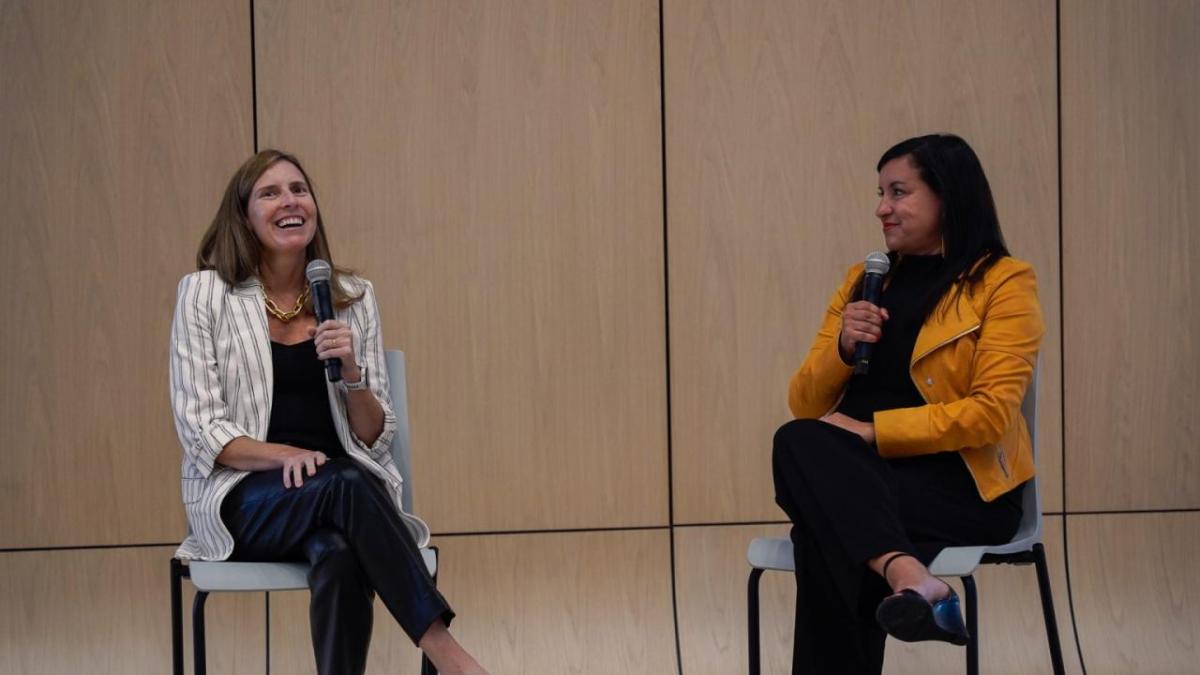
(604, 232)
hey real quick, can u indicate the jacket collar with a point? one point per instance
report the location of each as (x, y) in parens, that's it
(943, 327)
(249, 288)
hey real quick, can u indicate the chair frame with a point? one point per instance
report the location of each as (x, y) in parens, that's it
(270, 576)
(960, 561)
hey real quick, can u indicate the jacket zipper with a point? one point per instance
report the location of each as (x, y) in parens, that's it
(931, 350)
(941, 344)
(921, 391)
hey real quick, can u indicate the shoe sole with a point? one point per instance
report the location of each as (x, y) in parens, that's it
(909, 618)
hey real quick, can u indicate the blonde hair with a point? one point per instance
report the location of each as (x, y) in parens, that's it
(230, 247)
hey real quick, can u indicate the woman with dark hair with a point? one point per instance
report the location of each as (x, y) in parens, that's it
(278, 463)
(880, 471)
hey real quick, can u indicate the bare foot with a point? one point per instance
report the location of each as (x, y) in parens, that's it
(457, 664)
(907, 573)
(447, 655)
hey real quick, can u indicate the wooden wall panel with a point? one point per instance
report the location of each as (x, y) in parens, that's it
(495, 169)
(591, 602)
(109, 611)
(711, 576)
(776, 114)
(121, 122)
(1134, 582)
(1131, 142)
(710, 581)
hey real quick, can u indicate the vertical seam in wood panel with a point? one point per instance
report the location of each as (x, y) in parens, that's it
(254, 118)
(253, 78)
(1062, 334)
(267, 633)
(662, 137)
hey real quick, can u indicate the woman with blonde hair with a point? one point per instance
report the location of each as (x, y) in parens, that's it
(278, 463)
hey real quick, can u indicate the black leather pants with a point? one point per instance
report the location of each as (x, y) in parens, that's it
(344, 523)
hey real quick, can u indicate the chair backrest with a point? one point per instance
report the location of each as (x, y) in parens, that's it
(398, 387)
(1030, 529)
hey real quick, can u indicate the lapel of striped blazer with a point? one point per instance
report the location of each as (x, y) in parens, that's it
(341, 420)
(253, 337)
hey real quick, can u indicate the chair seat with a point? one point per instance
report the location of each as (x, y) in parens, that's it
(955, 561)
(959, 561)
(771, 554)
(263, 576)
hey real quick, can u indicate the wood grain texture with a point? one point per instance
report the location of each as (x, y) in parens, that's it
(711, 572)
(109, 611)
(1134, 582)
(776, 114)
(495, 169)
(120, 123)
(1131, 142)
(596, 602)
(710, 580)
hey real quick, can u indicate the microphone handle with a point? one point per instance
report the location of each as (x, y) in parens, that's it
(872, 288)
(323, 306)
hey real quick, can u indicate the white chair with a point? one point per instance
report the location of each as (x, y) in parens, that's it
(210, 577)
(960, 561)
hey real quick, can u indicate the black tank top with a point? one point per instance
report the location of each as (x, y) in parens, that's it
(300, 413)
(888, 384)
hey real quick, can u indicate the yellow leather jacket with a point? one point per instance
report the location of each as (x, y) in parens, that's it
(972, 362)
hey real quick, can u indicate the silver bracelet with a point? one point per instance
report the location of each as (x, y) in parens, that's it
(360, 385)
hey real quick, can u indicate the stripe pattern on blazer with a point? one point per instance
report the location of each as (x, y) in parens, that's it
(221, 386)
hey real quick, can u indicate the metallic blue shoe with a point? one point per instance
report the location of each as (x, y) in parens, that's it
(909, 617)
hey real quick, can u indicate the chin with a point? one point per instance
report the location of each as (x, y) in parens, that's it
(289, 248)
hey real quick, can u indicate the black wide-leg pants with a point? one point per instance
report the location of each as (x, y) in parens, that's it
(847, 506)
(344, 523)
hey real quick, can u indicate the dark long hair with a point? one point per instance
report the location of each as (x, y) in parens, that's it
(971, 238)
(230, 247)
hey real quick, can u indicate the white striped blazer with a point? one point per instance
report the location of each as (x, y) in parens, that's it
(221, 386)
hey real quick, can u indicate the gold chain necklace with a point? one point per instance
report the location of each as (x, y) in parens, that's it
(287, 316)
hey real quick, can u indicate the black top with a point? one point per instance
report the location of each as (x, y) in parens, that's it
(888, 384)
(300, 413)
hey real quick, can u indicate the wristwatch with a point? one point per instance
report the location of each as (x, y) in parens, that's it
(359, 385)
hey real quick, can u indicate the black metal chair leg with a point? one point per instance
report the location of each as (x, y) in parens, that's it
(971, 600)
(198, 633)
(1043, 574)
(753, 646)
(177, 573)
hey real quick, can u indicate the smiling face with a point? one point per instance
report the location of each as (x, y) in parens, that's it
(282, 211)
(910, 211)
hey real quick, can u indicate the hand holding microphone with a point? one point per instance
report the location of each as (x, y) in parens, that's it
(335, 344)
(333, 338)
(862, 321)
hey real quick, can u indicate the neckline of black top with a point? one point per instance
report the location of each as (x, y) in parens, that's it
(920, 262)
(294, 344)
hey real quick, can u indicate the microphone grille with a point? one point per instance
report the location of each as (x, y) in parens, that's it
(877, 263)
(318, 270)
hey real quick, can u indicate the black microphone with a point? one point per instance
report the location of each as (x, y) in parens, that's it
(318, 273)
(877, 267)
